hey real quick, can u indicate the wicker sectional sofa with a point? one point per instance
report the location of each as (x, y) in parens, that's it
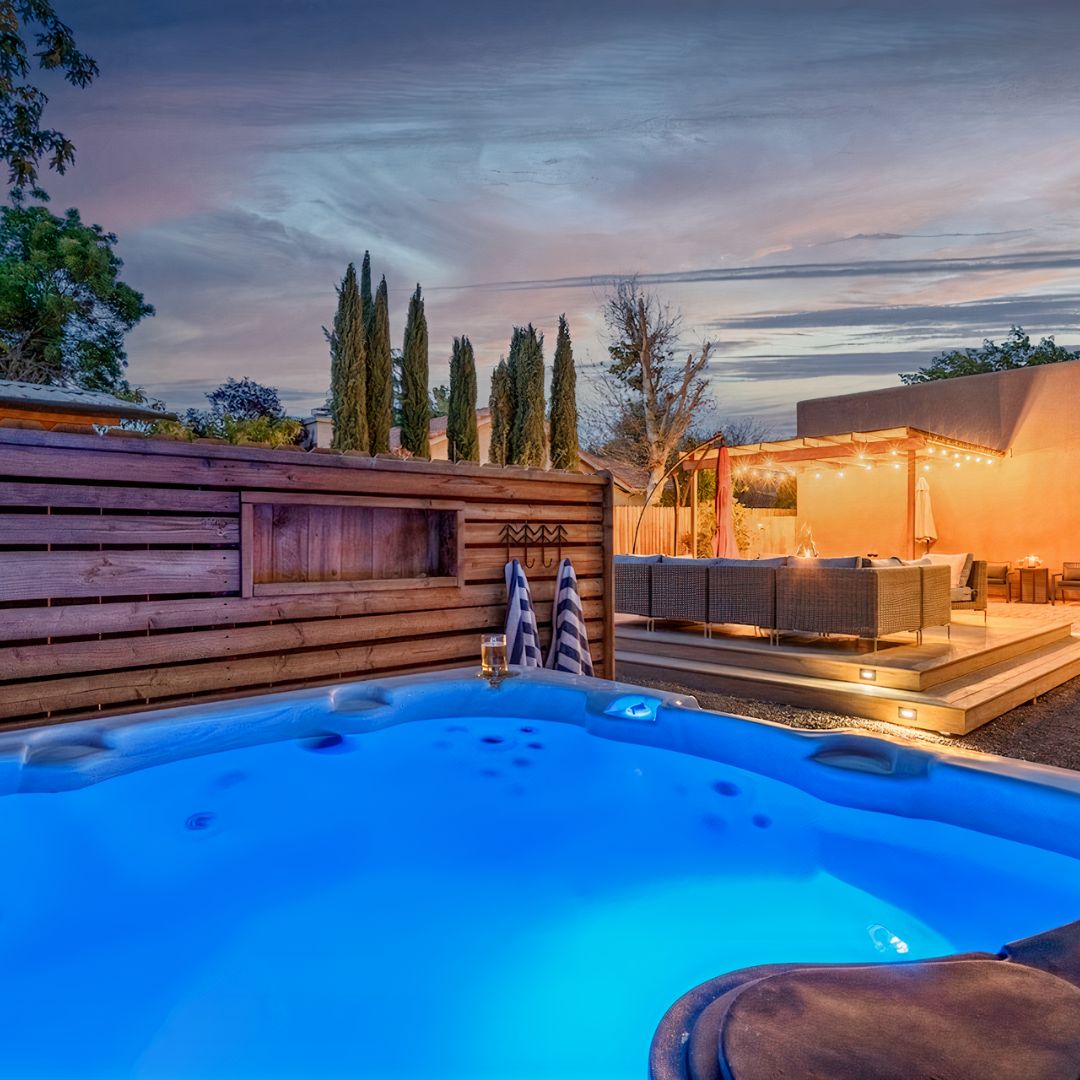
(785, 594)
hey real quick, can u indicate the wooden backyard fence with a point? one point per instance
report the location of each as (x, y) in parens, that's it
(769, 531)
(140, 571)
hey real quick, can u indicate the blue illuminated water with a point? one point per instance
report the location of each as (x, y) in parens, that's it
(475, 899)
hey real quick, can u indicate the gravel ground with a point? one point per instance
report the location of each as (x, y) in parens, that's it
(1047, 732)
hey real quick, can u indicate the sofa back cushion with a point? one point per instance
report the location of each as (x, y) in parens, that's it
(852, 562)
(636, 560)
(780, 561)
(959, 566)
(997, 571)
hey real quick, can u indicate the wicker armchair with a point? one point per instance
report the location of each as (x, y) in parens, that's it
(997, 577)
(745, 595)
(977, 582)
(1067, 581)
(680, 590)
(866, 603)
(633, 585)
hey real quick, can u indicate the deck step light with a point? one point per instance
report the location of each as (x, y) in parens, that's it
(869, 674)
(908, 713)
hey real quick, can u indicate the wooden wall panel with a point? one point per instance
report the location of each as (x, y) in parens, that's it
(121, 584)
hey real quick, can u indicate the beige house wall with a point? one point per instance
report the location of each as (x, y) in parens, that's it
(1026, 503)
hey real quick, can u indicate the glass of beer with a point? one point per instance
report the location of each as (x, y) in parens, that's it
(493, 663)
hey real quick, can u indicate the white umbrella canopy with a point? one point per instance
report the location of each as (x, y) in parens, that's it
(925, 528)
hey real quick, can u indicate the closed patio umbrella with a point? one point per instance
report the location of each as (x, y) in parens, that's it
(725, 545)
(925, 529)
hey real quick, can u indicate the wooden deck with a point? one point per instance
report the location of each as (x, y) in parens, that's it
(952, 684)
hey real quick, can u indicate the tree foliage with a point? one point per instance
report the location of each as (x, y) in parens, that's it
(650, 384)
(380, 368)
(501, 403)
(463, 436)
(415, 408)
(564, 419)
(528, 438)
(439, 401)
(245, 399)
(241, 411)
(348, 367)
(23, 141)
(1016, 351)
(63, 309)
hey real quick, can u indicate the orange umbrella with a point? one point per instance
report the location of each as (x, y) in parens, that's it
(725, 545)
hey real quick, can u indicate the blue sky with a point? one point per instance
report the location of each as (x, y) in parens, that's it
(830, 192)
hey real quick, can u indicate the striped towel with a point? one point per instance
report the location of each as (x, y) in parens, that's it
(569, 642)
(522, 637)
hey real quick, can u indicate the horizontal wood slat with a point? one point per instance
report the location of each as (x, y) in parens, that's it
(32, 575)
(120, 567)
(170, 500)
(114, 529)
(490, 533)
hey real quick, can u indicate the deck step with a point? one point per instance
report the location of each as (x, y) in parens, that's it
(954, 707)
(900, 663)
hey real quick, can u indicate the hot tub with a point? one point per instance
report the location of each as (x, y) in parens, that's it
(431, 878)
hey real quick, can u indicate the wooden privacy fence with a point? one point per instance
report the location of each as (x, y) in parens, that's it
(657, 533)
(142, 571)
(769, 531)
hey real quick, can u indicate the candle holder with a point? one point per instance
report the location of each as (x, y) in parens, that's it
(493, 663)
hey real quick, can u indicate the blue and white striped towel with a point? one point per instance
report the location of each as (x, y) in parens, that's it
(522, 636)
(569, 643)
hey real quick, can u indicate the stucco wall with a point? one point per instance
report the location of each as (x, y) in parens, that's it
(1026, 503)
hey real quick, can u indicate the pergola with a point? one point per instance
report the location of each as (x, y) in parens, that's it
(901, 447)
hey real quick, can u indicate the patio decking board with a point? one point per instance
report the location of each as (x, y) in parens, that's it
(120, 569)
(953, 687)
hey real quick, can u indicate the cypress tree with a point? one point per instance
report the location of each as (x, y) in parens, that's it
(367, 297)
(463, 437)
(380, 385)
(501, 404)
(528, 439)
(564, 436)
(348, 368)
(415, 409)
(513, 363)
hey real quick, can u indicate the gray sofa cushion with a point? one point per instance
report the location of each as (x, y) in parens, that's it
(637, 560)
(744, 562)
(962, 595)
(852, 562)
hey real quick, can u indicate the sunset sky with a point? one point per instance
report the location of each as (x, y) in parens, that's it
(829, 192)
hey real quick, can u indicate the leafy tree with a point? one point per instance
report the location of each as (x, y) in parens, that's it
(380, 375)
(439, 401)
(23, 141)
(1016, 351)
(463, 437)
(501, 404)
(564, 433)
(245, 399)
(348, 367)
(415, 408)
(241, 411)
(528, 438)
(649, 380)
(63, 309)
